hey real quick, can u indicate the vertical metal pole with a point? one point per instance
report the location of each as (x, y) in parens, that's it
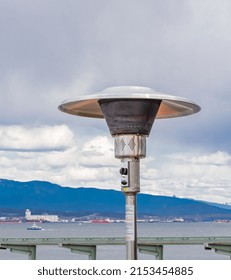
(131, 227)
(130, 148)
(131, 216)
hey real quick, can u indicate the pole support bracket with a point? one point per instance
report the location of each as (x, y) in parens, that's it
(156, 250)
(89, 250)
(29, 250)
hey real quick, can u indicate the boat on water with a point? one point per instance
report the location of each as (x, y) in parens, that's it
(178, 220)
(100, 221)
(34, 227)
(10, 221)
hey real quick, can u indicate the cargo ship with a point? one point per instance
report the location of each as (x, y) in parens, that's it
(100, 221)
(10, 221)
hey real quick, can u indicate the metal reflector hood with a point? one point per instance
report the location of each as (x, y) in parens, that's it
(170, 107)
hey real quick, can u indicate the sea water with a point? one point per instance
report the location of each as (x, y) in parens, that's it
(75, 230)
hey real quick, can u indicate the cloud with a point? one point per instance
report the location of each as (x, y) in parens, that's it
(204, 176)
(178, 47)
(98, 152)
(218, 158)
(18, 138)
(51, 154)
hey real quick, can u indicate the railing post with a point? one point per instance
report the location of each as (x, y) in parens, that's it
(29, 250)
(156, 250)
(224, 249)
(89, 250)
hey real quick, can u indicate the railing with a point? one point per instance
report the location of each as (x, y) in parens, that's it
(88, 246)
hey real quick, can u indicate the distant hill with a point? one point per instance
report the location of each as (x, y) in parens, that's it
(224, 206)
(52, 198)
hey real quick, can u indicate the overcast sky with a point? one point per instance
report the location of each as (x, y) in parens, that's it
(52, 50)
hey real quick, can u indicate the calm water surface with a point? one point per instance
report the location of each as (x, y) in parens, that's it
(117, 230)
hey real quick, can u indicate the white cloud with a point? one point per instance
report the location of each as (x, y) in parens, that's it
(19, 138)
(203, 176)
(64, 162)
(98, 152)
(218, 158)
(181, 49)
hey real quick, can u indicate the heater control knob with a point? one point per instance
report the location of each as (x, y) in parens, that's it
(123, 171)
(124, 182)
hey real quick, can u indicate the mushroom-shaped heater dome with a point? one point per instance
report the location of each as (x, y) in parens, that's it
(129, 109)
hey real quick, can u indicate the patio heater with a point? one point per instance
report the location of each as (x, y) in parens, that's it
(130, 112)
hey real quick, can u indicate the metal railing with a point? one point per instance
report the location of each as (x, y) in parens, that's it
(88, 246)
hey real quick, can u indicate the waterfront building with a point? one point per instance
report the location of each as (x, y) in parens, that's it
(42, 218)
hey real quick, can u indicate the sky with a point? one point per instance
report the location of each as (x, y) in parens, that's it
(52, 50)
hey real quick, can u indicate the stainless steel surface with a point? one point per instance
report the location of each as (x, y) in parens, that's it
(130, 209)
(132, 177)
(129, 116)
(130, 146)
(88, 105)
(131, 227)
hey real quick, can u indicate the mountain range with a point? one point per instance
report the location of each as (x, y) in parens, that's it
(43, 196)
